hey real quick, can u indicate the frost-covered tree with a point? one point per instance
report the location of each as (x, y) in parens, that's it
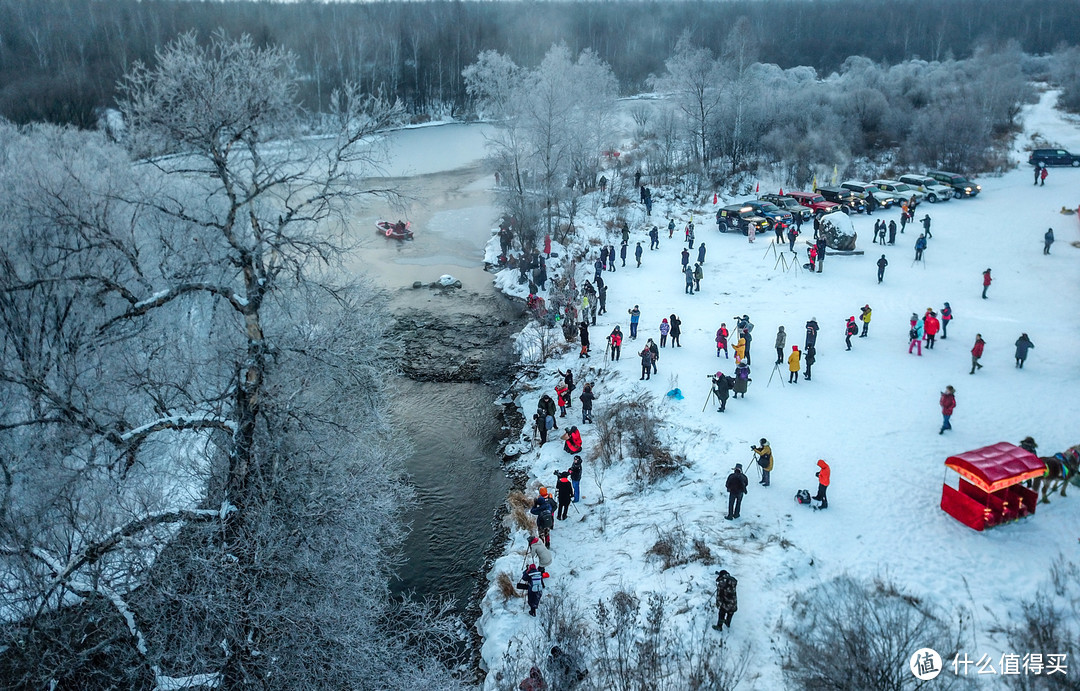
(198, 487)
(694, 78)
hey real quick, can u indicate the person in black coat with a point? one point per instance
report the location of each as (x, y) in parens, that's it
(822, 245)
(568, 377)
(575, 478)
(676, 331)
(564, 493)
(722, 388)
(737, 483)
(586, 397)
(701, 253)
(881, 264)
(809, 355)
(583, 333)
(892, 232)
(651, 345)
(811, 334)
(547, 407)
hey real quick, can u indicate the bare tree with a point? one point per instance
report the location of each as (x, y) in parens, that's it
(694, 77)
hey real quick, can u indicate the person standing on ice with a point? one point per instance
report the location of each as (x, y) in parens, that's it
(646, 363)
(811, 333)
(781, 341)
(685, 257)
(946, 317)
(986, 282)
(637, 254)
(665, 327)
(586, 397)
(722, 388)
(699, 274)
(948, 405)
(721, 340)
(791, 235)
(689, 274)
(635, 316)
(742, 379)
(701, 253)
(976, 353)
(727, 600)
(1023, 344)
(1048, 239)
(850, 329)
(671, 228)
(865, 318)
(892, 232)
(764, 453)
(824, 477)
(737, 484)
(793, 365)
(625, 233)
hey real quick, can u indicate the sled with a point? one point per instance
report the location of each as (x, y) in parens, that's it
(988, 490)
(396, 231)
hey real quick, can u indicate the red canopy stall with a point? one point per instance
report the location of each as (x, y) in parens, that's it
(988, 490)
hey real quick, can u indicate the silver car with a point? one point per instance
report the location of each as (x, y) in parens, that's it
(900, 189)
(935, 192)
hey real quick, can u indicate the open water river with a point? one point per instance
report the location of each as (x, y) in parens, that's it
(454, 426)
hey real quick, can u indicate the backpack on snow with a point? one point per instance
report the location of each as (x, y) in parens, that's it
(802, 497)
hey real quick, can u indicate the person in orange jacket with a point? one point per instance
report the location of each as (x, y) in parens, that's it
(931, 326)
(823, 484)
(794, 362)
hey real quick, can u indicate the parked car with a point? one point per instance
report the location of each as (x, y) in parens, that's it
(816, 203)
(961, 186)
(900, 189)
(770, 211)
(740, 217)
(790, 205)
(848, 201)
(1053, 157)
(935, 192)
(865, 189)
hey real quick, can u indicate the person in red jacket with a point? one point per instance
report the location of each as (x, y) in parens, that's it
(562, 392)
(976, 353)
(986, 282)
(573, 440)
(948, 405)
(931, 326)
(823, 478)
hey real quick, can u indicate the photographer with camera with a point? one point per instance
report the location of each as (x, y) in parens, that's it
(764, 460)
(721, 387)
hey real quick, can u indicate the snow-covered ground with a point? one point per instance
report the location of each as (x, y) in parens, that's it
(872, 413)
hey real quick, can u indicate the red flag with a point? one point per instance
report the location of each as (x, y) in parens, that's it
(714, 199)
(758, 188)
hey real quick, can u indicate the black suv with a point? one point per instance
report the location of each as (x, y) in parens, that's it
(790, 205)
(740, 217)
(1053, 157)
(962, 187)
(849, 203)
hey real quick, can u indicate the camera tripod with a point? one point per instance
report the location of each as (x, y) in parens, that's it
(775, 369)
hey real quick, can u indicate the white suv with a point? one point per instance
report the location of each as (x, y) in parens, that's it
(934, 190)
(862, 189)
(900, 189)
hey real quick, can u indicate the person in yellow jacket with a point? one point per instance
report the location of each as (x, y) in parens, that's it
(865, 318)
(740, 350)
(764, 460)
(793, 362)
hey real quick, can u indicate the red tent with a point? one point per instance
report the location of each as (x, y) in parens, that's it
(988, 490)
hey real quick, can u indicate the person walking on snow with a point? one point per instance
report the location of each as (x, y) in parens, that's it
(1042, 176)
(544, 510)
(986, 282)
(737, 484)
(793, 365)
(676, 331)
(671, 228)
(701, 253)
(625, 232)
(781, 341)
(665, 327)
(721, 340)
(635, 316)
(948, 405)
(615, 339)
(586, 397)
(685, 258)
(920, 245)
(926, 227)
(976, 353)
(764, 459)
(1048, 239)
(850, 330)
(637, 254)
(809, 357)
(646, 363)
(824, 478)
(903, 222)
(533, 578)
(931, 325)
(727, 600)
(601, 295)
(654, 238)
(914, 335)
(865, 318)
(575, 477)
(946, 317)
(1023, 344)
(538, 553)
(689, 274)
